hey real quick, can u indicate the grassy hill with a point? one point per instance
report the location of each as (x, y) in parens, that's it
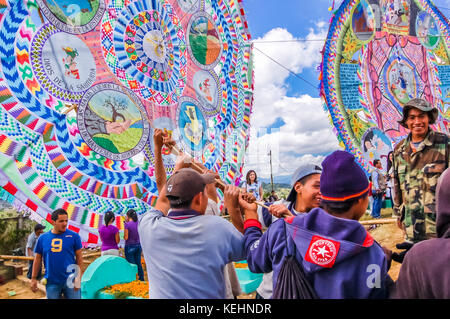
(281, 189)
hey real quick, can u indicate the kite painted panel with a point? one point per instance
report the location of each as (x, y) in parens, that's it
(378, 55)
(84, 83)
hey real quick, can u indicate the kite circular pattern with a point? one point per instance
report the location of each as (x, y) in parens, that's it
(377, 56)
(113, 121)
(191, 123)
(55, 60)
(205, 45)
(208, 91)
(84, 83)
(146, 49)
(74, 17)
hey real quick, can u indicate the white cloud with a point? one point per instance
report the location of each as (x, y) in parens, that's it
(295, 55)
(306, 132)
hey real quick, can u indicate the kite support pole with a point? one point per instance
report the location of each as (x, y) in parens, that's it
(40, 15)
(379, 221)
(92, 254)
(72, 107)
(16, 257)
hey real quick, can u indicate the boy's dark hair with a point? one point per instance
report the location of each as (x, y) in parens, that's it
(375, 162)
(389, 162)
(368, 138)
(341, 207)
(39, 227)
(109, 215)
(177, 204)
(132, 214)
(58, 212)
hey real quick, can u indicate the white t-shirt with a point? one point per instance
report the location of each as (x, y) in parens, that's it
(31, 243)
(212, 208)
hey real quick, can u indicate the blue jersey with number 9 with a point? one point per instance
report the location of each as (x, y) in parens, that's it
(58, 253)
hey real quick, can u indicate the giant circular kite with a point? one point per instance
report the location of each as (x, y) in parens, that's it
(84, 83)
(378, 55)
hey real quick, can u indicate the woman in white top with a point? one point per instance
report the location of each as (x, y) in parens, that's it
(252, 185)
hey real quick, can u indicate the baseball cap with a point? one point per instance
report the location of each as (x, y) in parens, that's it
(185, 183)
(422, 105)
(302, 171)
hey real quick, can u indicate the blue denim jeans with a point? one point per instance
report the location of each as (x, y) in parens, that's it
(133, 256)
(30, 271)
(377, 204)
(56, 291)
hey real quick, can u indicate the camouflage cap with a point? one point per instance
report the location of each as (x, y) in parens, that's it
(422, 105)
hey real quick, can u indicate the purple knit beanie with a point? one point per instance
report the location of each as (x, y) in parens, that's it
(342, 179)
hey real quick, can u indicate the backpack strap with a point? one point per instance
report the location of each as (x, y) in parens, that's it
(292, 251)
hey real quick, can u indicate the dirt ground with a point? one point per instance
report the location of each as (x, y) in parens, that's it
(20, 290)
(387, 235)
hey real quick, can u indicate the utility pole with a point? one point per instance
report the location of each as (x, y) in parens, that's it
(271, 175)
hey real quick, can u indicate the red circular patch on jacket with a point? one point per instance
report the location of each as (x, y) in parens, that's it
(322, 251)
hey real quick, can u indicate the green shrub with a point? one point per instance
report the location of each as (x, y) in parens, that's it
(11, 237)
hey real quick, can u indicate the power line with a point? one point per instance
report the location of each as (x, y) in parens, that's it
(319, 40)
(286, 68)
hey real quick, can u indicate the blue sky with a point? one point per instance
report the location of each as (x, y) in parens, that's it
(297, 18)
(288, 116)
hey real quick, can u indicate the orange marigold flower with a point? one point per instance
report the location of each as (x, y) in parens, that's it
(135, 288)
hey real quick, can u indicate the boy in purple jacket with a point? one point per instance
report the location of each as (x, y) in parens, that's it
(339, 257)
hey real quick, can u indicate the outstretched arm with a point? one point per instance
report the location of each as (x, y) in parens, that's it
(257, 244)
(160, 171)
(231, 202)
(36, 265)
(159, 139)
(398, 198)
(79, 261)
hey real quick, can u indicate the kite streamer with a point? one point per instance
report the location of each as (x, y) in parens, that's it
(84, 83)
(378, 55)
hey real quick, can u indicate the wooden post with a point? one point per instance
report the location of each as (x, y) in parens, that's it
(40, 15)
(70, 108)
(379, 221)
(16, 257)
(92, 254)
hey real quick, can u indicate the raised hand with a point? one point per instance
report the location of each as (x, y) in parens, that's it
(158, 139)
(247, 202)
(231, 197)
(279, 211)
(168, 141)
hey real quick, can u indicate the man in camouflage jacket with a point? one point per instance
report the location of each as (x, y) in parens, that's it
(419, 160)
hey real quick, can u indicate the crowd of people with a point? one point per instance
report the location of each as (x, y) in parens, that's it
(310, 245)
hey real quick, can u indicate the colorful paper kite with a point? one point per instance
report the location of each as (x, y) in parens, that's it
(84, 83)
(378, 55)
